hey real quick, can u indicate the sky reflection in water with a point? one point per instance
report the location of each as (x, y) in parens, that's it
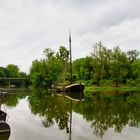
(114, 117)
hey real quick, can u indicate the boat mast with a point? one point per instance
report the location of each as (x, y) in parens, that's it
(70, 57)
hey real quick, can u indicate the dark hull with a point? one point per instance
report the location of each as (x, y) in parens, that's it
(4, 127)
(75, 88)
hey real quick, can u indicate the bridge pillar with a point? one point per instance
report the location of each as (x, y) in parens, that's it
(9, 85)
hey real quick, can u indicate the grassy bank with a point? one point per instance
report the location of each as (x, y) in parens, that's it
(107, 88)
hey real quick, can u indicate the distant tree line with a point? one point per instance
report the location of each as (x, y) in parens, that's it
(109, 66)
(12, 71)
(102, 66)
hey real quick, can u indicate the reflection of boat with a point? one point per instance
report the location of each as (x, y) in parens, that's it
(75, 96)
(3, 92)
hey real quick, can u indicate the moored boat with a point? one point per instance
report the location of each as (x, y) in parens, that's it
(4, 126)
(77, 87)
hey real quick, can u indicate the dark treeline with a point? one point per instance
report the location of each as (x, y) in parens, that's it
(102, 66)
(12, 71)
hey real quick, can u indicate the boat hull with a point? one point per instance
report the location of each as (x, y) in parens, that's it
(75, 88)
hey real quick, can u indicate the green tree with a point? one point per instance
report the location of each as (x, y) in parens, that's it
(118, 66)
(100, 61)
(13, 70)
(63, 56)
(132, 56)
(83, 68)
(3, 72)
(136, 73)
(45, 71)
(35, 73)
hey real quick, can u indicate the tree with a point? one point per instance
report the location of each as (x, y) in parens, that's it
(100, 58)
(35, 73)
(136, 68)
(132, 56)
(3, 72)
(45, 71)
(83, 68)
(13, 70)
(136, 72)
(63, 56)
(118, 66)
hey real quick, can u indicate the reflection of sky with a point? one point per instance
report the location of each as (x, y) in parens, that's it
(26, 126)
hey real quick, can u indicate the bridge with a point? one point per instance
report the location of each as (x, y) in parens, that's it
(9, 79)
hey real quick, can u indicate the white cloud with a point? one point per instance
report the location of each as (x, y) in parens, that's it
(27, 27)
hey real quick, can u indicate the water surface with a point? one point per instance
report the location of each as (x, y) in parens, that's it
(41, 116)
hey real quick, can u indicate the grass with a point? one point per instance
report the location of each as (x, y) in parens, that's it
(109, 88)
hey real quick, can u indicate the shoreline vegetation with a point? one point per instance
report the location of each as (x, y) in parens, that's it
(102, 70)
(102, 67)
(122, 88)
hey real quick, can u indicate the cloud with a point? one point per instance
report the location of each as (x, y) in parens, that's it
(27, 27)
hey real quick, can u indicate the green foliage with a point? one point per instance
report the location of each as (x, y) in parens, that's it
(136, 69)
(131, 82)
(104, 66)
(101, 58)
(46, 71)
(83, 68)
(118, 66)
(13, 70)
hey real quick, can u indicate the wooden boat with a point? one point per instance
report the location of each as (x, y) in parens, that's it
(75, 87)
(4, 131)
(4, 127)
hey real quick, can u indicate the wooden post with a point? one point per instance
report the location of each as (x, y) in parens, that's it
(70, 57)
(9, 84)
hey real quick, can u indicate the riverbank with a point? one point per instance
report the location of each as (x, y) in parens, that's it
(124, 88)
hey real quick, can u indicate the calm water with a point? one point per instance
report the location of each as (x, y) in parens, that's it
(38, 116)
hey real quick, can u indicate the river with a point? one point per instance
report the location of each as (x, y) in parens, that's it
(39, 116)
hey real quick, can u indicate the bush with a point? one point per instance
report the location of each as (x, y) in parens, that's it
(131, 82)
(106, 82)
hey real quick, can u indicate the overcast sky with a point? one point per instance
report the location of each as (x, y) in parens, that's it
(27, 27)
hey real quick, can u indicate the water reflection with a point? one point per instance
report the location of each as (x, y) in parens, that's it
(104, 111)
(101, 112)
(52, 109)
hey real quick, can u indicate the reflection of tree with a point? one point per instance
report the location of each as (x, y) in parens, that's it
(111, 110)
(52, 109)
(104, 111)
(11, 99)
